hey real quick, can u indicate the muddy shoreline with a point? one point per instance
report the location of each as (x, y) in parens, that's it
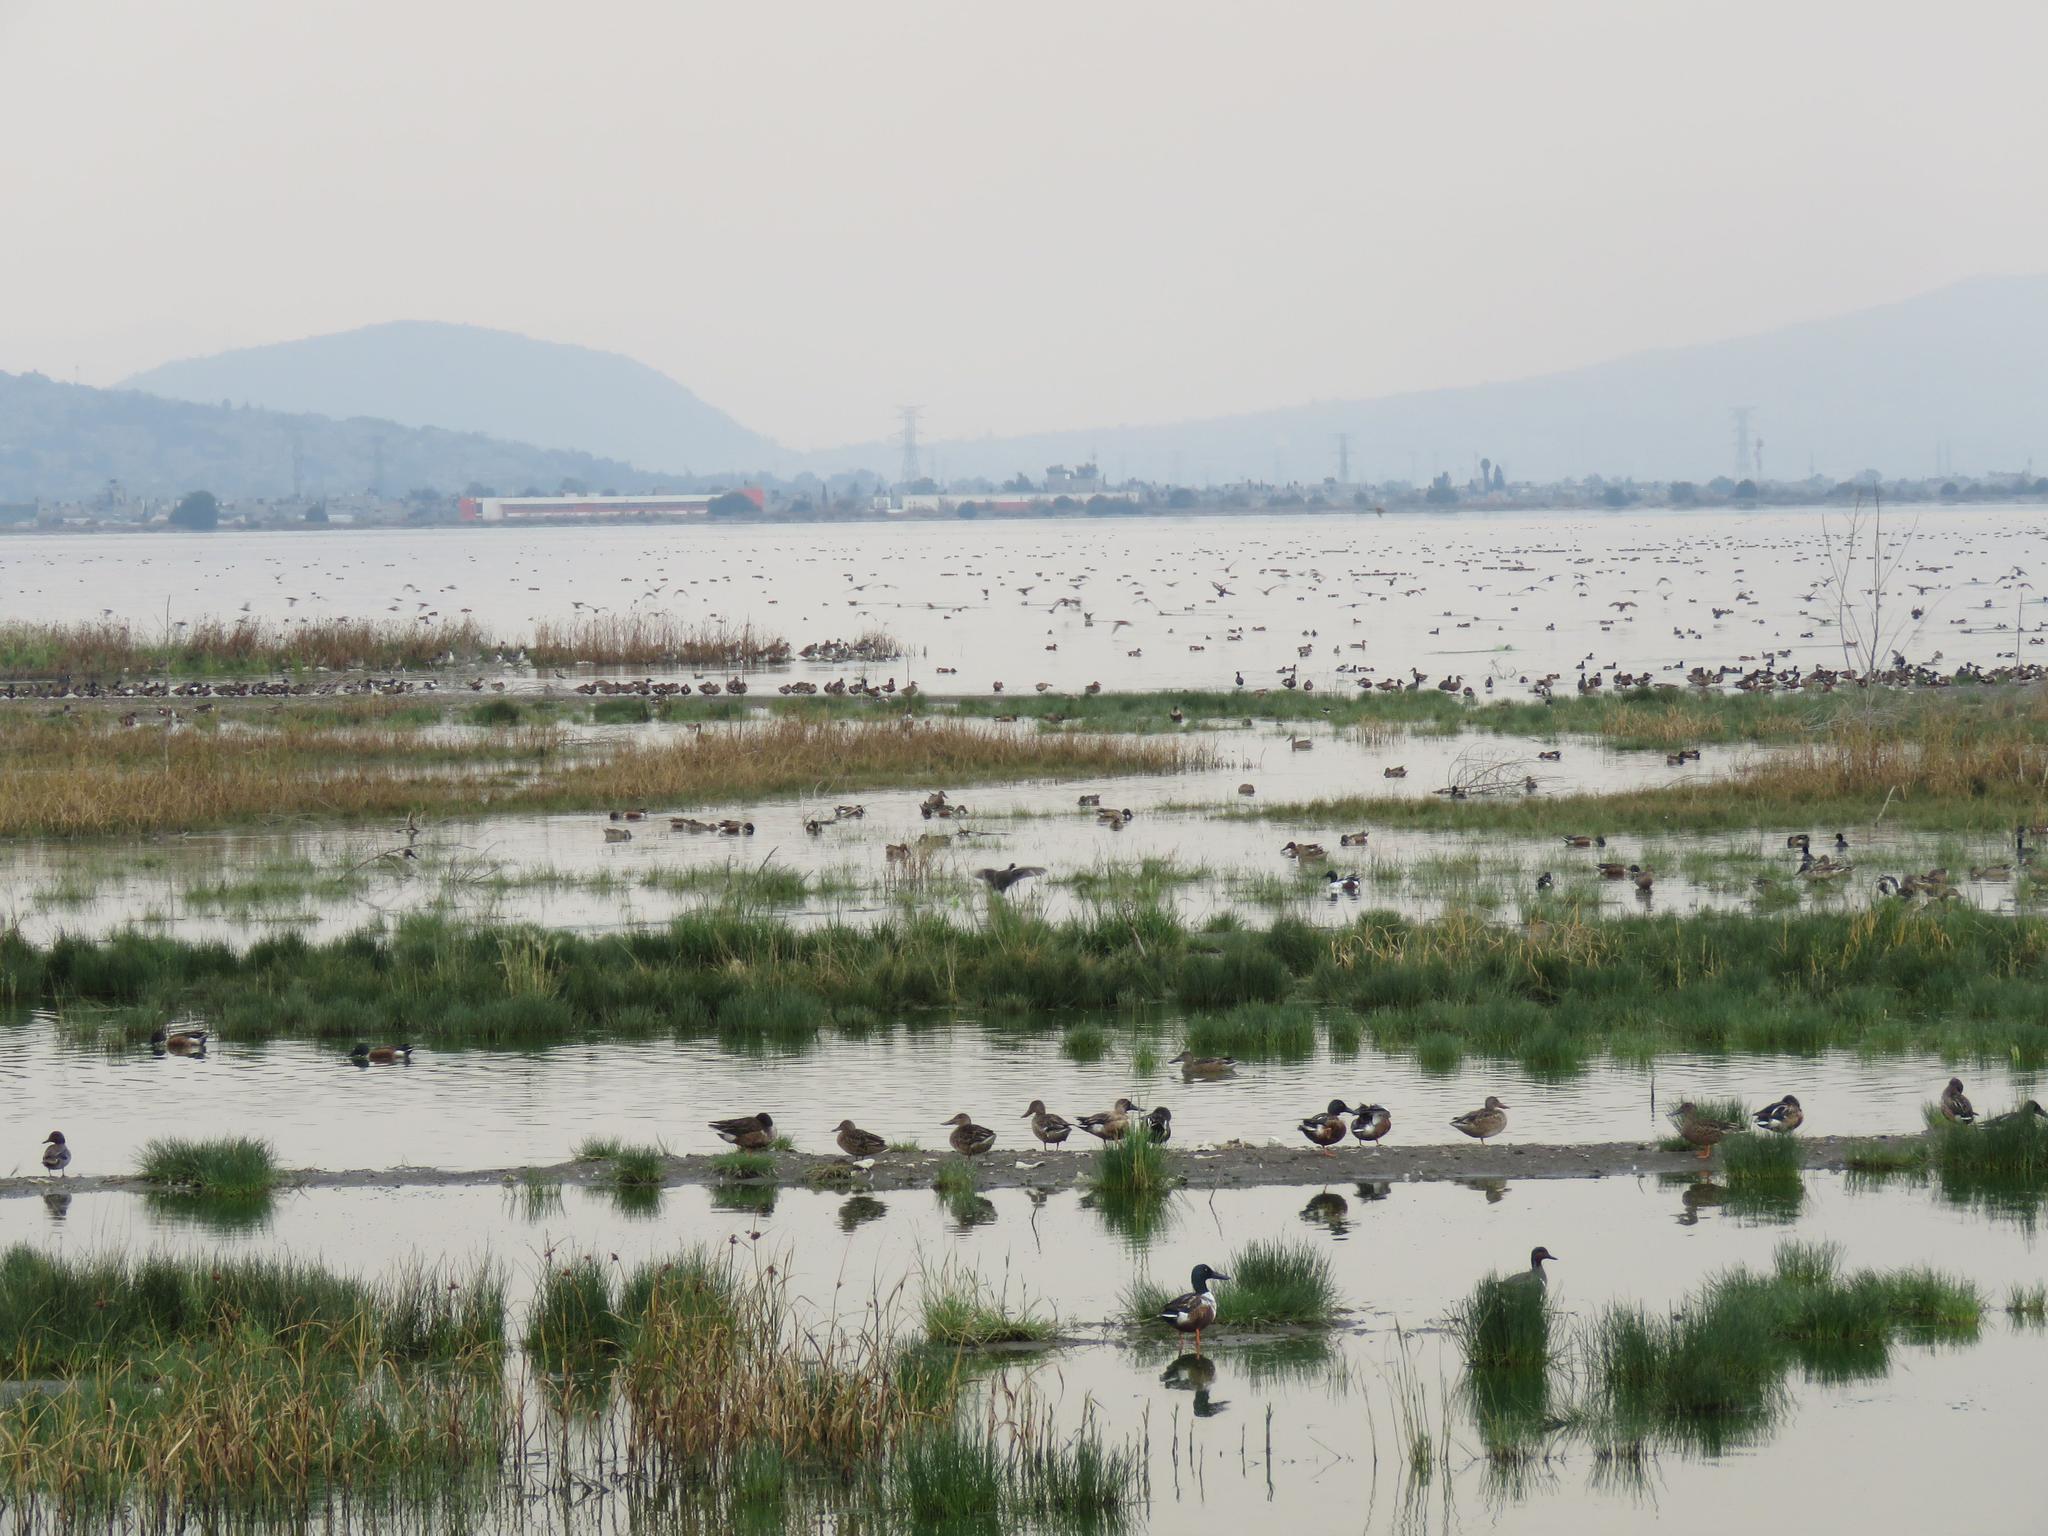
(1234, 1166)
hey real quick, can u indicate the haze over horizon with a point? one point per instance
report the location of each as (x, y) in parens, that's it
(1082, 218)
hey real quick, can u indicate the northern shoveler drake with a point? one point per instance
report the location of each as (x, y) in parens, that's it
(1955, 1104)
(1109, 1124)
(1578, 840)
(381, 1054)
(1490, 1119)
(857, 1143)
(1000, 880)
(1049, 1128)
(1371, 1122)
(1160, 1123)
(56, 1155)
(1534, 1275)
(1353, 839)
(969, 1139)
(1346, 883)
(1327, 1129)
(1783, 1116)
(1699, 1132)
(181, 1042)
(1205, 1066)
(750, 1133)
(1195, 1309)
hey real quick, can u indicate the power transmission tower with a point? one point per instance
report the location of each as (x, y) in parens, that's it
(907, 414)
(1343, 458)
(1741, 415)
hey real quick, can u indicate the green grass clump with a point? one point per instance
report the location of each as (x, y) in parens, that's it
(956, 1176)
(1276, 1282)
(2011, 1146)
(1255, 1032)
(223, 1167)
(2027, 1304)
(961, 1311)
(1504, 1325)
(977, 1477)
(1132, 1165)
(1761, 1160)
(744, 1165)
(1880, 1158)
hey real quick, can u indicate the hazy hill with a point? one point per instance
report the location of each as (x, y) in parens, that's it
(469, 379)
(1879, 388)
(66, 441)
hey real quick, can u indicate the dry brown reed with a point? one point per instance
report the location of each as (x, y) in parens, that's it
(80, 777)
(106, 648)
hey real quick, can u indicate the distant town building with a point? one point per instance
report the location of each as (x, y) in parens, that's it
(1082, 480)
(549, 509)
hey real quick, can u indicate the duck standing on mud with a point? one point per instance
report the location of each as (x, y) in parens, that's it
(750, 1133)
(1195, 1309)
(1327, 1129)
(1490, 1119)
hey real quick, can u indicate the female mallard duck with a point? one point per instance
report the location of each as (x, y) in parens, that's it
(1303, 850)
(1205, 1066)
(381, 1054)
(857, 1143)
(1049, 1128)
(1111, 1124)
(1783, 1117)
(1371, 1122)
(1327, 1129)
(969, 1139)
(1194, 1309)
(1698, 1132)
(750, 1133)
(1490, 1119)
(1534, 1275)
(56, 1155)
(1955, 1104)
(180, 1042)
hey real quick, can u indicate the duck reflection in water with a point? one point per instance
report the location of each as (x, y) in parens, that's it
(58, 1203)
(1495, 1190)
(856, 1211)
(1328, 1209)
(1370, 1190)
(1700, 1195)
(1196, 1374)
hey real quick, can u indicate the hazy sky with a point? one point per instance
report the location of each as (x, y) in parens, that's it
(1020, 216)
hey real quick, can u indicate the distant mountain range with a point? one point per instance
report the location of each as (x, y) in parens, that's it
(65, 442)
(1962, 370)
(468, 379)
(1965, 366)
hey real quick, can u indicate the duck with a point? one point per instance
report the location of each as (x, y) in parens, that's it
(1533, 1275)
(1841, 843)
(1783, 1117)
(181, 1042)
(1490, 1119)
(1049, 1128)
(1110, 1124)
(1991, 872)
(1613, 871)
(896, 853)
(1955, 1105)
(969, 1139)
(1579, 840)
(56, 1153)
(1192, 1065)
(1352, 839)
(1800, 840)
(1698, 1132)
(2031, 1110)
(1545, 881)
(1195, 1309)
(1247, 789)
(617, 835)
(1347, 883)
(1000, 880)
(1394, 773)
(361, 1052)
(857, 1143)
(750, 1133)
(1325, 1130)
(1091, 800)
(1370, 1124)
(1303, 850)
(1159, 1121)
(1643, 878)
(1550, 757)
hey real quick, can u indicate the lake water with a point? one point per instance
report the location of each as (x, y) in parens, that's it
(1506, 595)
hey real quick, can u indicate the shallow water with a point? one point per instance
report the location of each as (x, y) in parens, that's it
(1294, 1432)
(492, 1108)
(1513, 594)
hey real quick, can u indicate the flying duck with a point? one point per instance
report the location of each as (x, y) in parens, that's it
(1000, 880)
